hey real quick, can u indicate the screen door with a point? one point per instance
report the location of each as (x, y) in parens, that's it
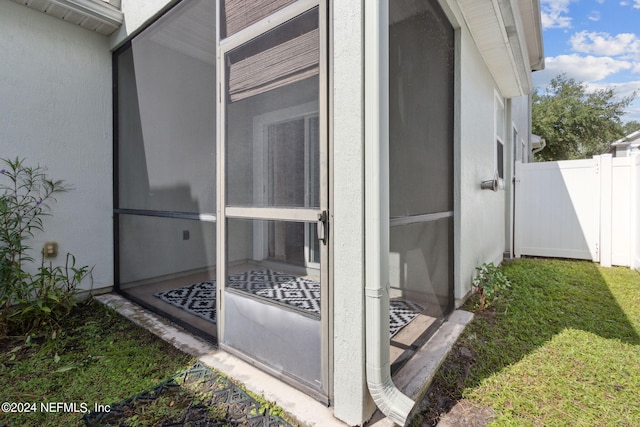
(275, 197)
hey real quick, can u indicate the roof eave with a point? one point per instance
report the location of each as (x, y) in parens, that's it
(629, 139)
(101, 16)
(503, 33)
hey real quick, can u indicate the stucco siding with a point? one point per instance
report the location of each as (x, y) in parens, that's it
(56, 112)
(481, 212)
(352, 403)
(521, 119)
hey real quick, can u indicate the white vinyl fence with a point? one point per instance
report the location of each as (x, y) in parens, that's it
(584, 209)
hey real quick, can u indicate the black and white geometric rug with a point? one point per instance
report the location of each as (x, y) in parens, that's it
(198, 299)
(401, 312)
(299, 292)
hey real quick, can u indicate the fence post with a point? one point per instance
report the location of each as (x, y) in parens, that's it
(605, 209)
(517, 227)
(635, 212)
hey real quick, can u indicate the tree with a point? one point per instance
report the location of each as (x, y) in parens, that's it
(630, 127)
(576, 124)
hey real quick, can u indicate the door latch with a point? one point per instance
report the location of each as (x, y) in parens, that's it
(323, 227)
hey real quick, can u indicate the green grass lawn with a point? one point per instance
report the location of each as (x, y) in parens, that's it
(561, 348)
(96, 357)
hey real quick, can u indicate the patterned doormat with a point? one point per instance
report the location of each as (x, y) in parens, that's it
(300, 292)
(401, 312)
(200, 298)
(195, 397)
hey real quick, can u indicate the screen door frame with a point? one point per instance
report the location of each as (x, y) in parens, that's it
(225, 212)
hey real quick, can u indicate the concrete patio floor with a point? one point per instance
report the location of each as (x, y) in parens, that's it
(413, 378)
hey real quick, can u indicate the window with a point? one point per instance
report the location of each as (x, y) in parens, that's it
(500, 158)
(291, 170)
(500, 136)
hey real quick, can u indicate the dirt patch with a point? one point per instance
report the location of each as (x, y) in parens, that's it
(467, 414)
(443, 402)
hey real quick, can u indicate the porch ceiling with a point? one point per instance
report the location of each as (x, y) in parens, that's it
(508, 34)
(101, 16)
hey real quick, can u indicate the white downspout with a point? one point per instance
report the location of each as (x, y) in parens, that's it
(387, 397)
(542, 142)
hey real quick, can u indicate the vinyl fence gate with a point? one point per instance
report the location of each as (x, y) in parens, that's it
(582, 209)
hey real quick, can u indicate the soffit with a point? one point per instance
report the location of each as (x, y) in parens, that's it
(101, 16)
(189, 31)
(508, 44)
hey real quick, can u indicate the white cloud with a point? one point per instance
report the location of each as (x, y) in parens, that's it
(554, 13)
(633, 112)
(621, 89)
(636, 5)
(582, 68)
(594, 16)
(625, 45)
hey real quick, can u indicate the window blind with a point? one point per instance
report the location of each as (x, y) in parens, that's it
(239, 14)
(280, 57)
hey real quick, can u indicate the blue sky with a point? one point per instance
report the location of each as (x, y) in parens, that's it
(596, 42)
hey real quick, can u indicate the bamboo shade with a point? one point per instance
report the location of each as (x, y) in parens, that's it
(283, 64)
(239, 14)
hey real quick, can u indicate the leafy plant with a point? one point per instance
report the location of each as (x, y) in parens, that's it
(488, 282)
(50, 295)
(29, 299)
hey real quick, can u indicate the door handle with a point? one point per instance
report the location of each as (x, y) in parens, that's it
(323, 227)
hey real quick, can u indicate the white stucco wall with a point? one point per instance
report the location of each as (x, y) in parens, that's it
(479, 229)
(352, 403)
(519, 118)
(55, 110)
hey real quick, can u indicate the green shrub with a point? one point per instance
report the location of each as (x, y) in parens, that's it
(489, 281)
(30, 299)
